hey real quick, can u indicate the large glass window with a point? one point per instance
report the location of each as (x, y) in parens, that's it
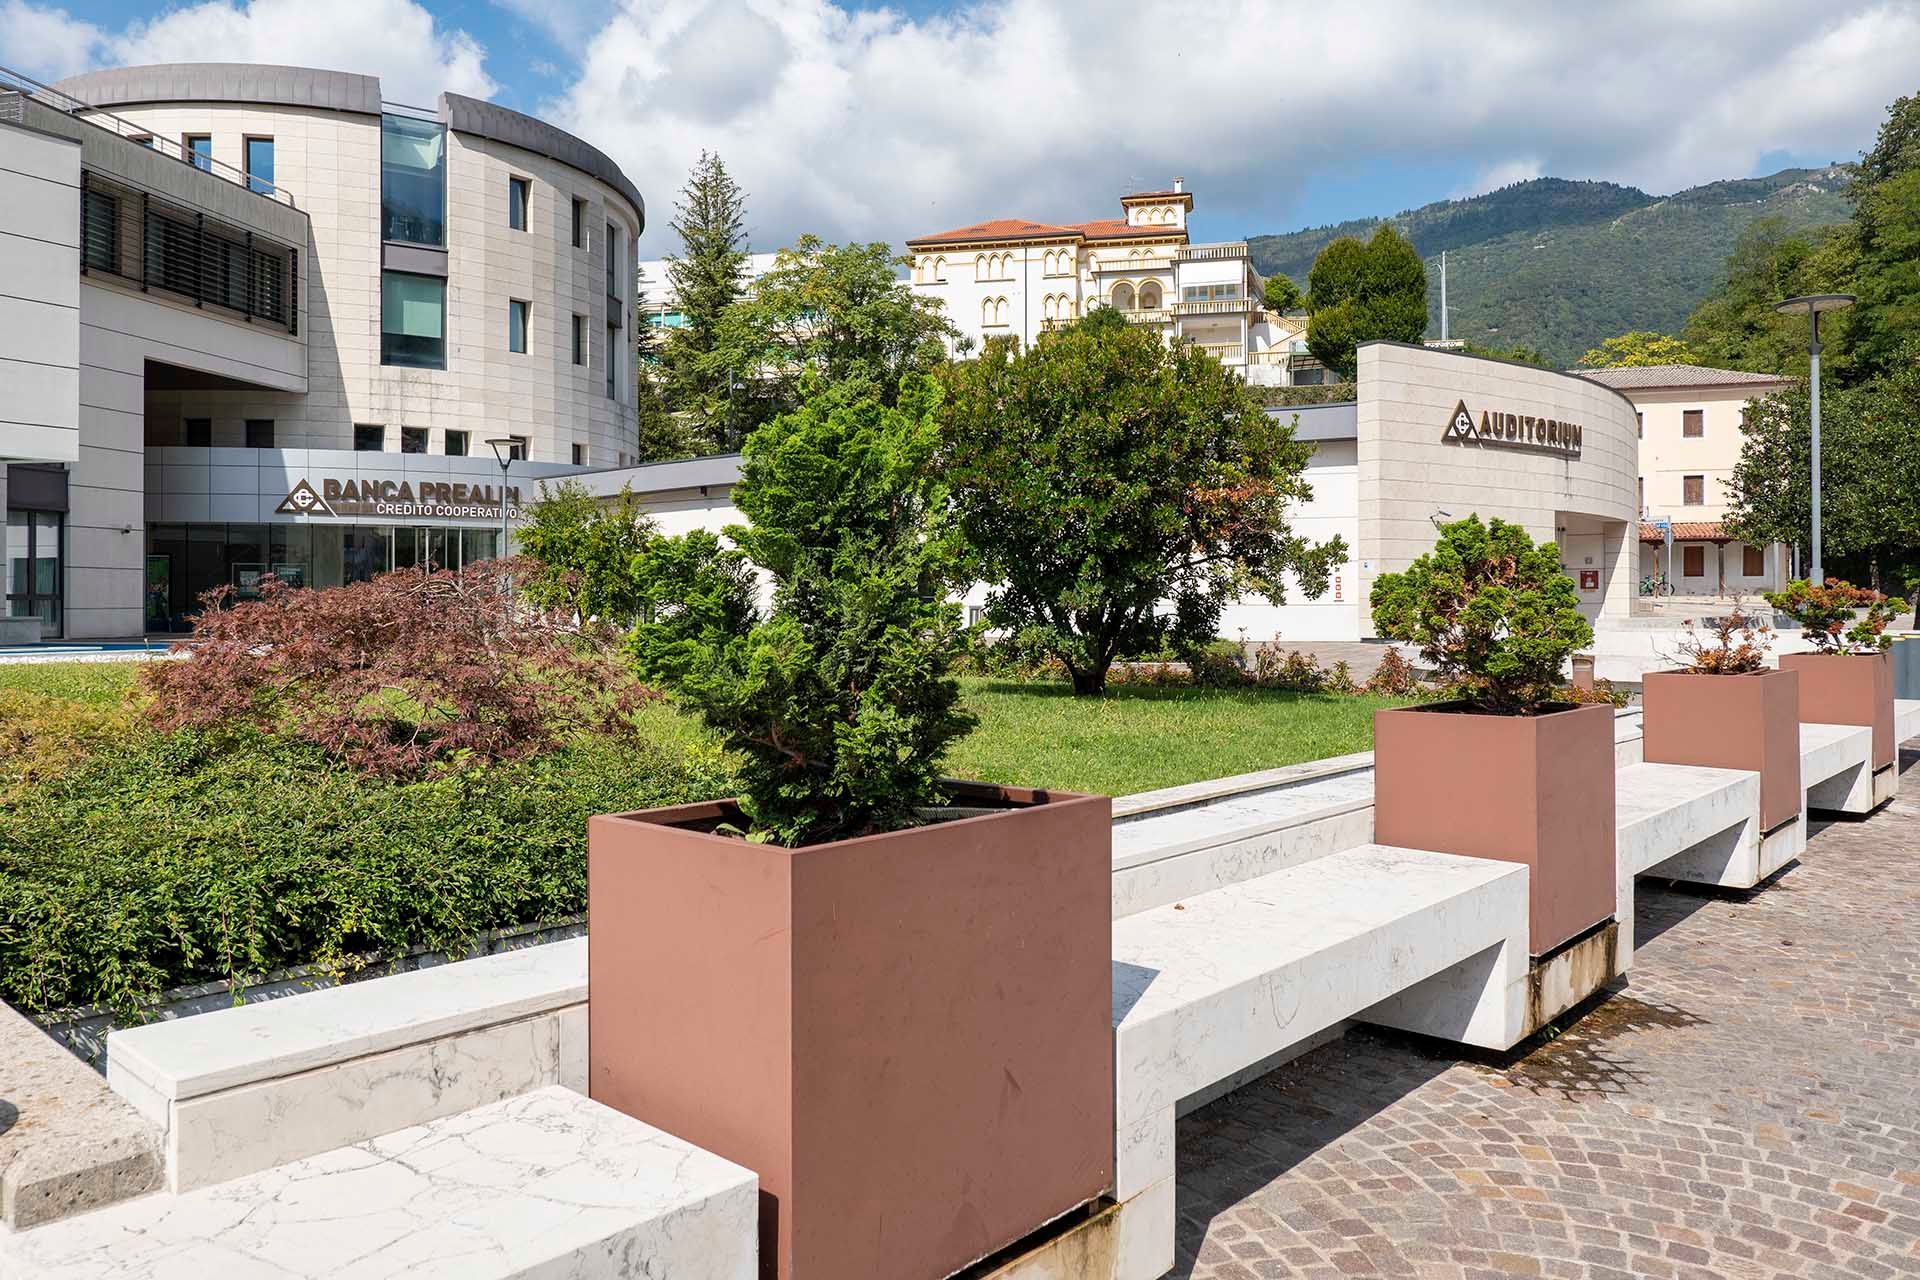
(413, 180)
(32, 547)
(260, 164)
(519, 195)
(199, 149)
(516, 325)
(456, 443)
(413, 320)
(369, 439)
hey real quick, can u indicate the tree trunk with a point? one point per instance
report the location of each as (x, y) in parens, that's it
(1089, 683)
(1873, 571)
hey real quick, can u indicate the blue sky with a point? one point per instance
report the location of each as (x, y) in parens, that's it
(881, 122)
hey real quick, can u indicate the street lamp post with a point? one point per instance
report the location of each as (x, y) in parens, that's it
(503, 447)
(1813, 304)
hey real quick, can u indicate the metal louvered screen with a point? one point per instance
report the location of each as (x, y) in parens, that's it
(158, 244)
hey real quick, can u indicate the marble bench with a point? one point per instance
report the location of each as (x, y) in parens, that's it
(1213, 986)
(547, 1184)
(1836, 767)
(239, 1090)
(1688, 822)
(1906, 716)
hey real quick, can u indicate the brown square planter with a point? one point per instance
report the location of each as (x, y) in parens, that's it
(1848, 688)
(1749, 722)
(1531, 789)
(908, 1036)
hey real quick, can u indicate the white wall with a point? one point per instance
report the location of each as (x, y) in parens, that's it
(39, 297)
(1333, 511)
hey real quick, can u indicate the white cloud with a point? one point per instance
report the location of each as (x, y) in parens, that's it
(397, 40)
(871, 124)
(1492, 177)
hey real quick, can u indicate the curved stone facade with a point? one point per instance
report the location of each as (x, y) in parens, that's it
(559, 393)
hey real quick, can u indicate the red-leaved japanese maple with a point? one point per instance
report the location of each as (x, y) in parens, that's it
(397, 673)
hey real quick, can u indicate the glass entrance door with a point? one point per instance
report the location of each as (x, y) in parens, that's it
(33, 568)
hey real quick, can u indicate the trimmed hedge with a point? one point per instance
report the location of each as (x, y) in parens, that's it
(164, 859)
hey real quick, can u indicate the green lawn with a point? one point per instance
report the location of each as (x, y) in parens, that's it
(1036, 734)
(1139, 738)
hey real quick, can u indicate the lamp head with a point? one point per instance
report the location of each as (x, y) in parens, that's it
(502, 447)
(1814, 303)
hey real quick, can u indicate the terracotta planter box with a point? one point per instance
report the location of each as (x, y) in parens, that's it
(1848, 688)
(908, 1036)
(1531, 789)
(1749, 722)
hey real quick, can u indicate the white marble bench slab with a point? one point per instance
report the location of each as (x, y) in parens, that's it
(239, 1090)
(549, 1184)
(1687, 822)
(1906, 719)
(1836, 767)
(1209, 986)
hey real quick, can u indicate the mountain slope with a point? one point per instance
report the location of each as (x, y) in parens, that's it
(1560, 265)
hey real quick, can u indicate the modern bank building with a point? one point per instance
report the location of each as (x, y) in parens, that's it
(259, 319)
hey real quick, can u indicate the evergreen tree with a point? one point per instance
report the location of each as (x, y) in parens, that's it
(710, 219)
(1363, 292)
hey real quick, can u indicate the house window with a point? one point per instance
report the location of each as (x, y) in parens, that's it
(199, 433)
(369, 439)
(413, 439)
(1693, 562)
(1693, 490)
(517, 325)
(517, 450)
(1693, 423)
(259, 433)
(579, 454)
(456, 444)
(198, 149)
(519, 193)
(1753, 561)
(413, 180)
(259, 156)
(144, 140)
(579, 224)
(579, 338)
(413, 320)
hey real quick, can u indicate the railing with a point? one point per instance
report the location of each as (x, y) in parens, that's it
(1224, 352)
(150, 241)
(1210, 252)
(1216, 307)
(1146, 315)
(1272, 355)
(13, 82)
(1133, 264)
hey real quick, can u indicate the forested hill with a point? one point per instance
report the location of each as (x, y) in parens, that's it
(1560, 265)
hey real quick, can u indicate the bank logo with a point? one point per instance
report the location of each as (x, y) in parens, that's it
(303, 501)
(1460, 426)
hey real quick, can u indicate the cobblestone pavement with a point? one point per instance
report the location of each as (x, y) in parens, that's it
(1747, 1106)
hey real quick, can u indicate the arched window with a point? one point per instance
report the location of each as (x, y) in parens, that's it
(999, 310)
(1046, 308)
(1006, 266)
(1123, 296)
(986, 311)
(940, 270)
(980, 266)
(1149, 296)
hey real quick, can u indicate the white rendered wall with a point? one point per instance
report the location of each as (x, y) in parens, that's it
(39, 297)
(1333, 511)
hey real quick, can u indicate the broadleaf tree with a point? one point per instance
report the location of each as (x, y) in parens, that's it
(1119, 493)
(1639, 348)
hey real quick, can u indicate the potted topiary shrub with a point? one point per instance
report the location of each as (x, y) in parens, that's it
(1507, 769)
(1726, 709)
(887, 994)
(1848, 679)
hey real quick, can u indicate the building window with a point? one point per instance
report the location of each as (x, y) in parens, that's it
(517, 325)
(198, 149)
(1753, 561)
(613, 361)
(1640, 425)
(1643, 495)
(1149, 296)
(144, 140)
(260, 164)
(456, 444)
(1693, 423)
(579, 338)
(1123, 296)
(413, 439)
(413, 320)
(1693, 491)
(100, 231)
(199, 433)
(939, 270)
(579, 224)
(1693, 562)
(413, 181)
(613, 263)
(259, 433)
(369, 439)
(31, 542)
(517, 450)
(579, 454)
(519, 194)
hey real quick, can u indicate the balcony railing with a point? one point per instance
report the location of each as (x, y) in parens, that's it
(12, 82)
(1224, 352)
(1210, 252)
(1110, 265)
(158, 244)
(1147, 315)
(1216, 307)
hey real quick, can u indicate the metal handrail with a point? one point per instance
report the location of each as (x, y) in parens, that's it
(67, 104)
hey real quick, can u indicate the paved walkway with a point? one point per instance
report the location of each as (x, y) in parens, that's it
(1748, 1107)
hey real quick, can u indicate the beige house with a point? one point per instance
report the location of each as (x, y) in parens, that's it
(1692, 423)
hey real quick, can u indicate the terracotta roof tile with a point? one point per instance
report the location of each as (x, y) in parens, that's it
(998, 229)
(1647, 377)
(1688, 531)
(1120, 229)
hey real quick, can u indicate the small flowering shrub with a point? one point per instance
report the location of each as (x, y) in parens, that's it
(1394, 677)
(1837, 617)
(1733, 644)
(396, 674)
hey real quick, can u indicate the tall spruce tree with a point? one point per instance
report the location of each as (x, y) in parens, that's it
(710, 219)
(1358, 292)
